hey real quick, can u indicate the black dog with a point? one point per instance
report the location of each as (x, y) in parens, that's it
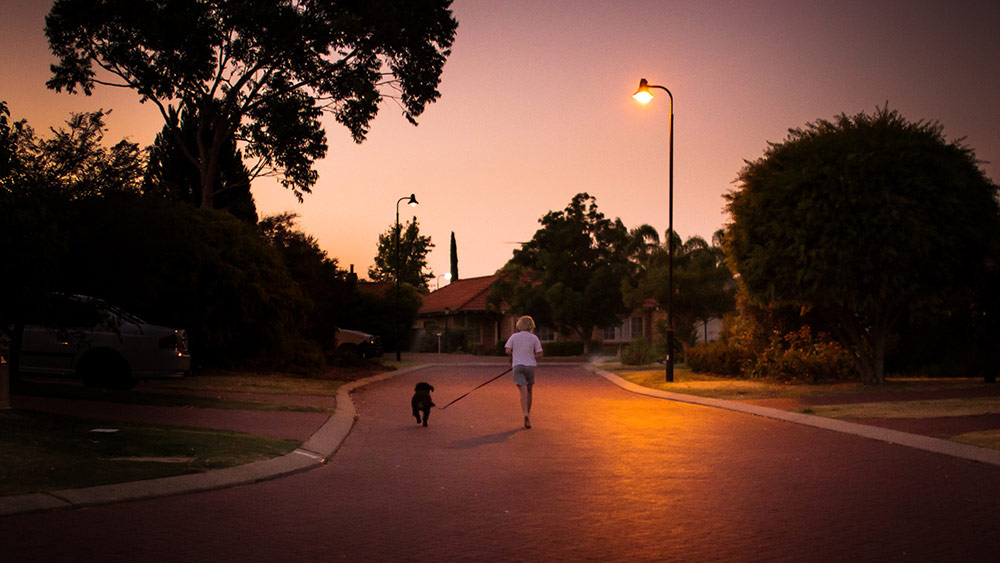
(421, 401)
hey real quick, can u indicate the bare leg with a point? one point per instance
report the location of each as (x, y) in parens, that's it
(525, 402)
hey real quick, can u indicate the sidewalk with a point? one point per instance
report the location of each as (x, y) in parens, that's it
(324, 443)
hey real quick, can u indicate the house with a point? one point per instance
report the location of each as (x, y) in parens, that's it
(636, 324)
(461, 306)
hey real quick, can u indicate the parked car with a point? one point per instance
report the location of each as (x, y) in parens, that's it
(360, 344)
(85, 337)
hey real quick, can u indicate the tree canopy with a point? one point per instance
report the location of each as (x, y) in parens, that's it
(569, 275)
(413, 249)
(260, 73)
(860, 219)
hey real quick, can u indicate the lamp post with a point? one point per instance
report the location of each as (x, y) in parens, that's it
(412, 203)
(447, 312)
(643, 95)
(447, 278)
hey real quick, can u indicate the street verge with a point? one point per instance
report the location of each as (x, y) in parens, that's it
(314, 452)
(916, 441)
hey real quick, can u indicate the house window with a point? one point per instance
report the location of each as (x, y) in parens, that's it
(612, 332)
(545, 333)
(636, 327)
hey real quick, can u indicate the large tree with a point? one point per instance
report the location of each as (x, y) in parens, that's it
(261, 73)
(861, 219)
(569, 275)
(411, 261)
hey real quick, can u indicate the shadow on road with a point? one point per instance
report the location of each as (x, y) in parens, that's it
(497, 438)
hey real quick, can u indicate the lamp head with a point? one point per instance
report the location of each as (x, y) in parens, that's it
(643, 95)
(413, 200)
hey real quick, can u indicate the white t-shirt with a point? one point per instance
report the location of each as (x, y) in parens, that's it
(523, 345)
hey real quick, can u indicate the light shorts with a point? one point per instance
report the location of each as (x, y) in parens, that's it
(524, 375)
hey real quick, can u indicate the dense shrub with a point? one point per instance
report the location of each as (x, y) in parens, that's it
(719, 358)
(563, 348)
(636, 352)
(198, 269)
(802, 356)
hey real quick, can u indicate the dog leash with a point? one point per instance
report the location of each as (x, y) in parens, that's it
(477, 387)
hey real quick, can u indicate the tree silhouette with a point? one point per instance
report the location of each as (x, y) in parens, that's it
(862, 219)
(258, 73)
(569, 275)
(413, 249)
(454, 258)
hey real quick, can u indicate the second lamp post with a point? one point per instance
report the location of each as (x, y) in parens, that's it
(413, 203)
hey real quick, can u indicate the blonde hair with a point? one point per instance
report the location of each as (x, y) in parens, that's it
(525, 323)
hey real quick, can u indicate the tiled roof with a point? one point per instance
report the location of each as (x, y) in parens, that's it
(460, 295)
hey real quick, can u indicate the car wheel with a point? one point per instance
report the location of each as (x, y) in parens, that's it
(105, 368)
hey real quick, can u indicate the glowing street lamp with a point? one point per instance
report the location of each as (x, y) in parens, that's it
(412, 203)
(644, 95)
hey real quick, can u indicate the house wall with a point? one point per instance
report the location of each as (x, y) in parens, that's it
(481, 329)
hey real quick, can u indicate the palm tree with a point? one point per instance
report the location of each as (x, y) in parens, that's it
(643, 244)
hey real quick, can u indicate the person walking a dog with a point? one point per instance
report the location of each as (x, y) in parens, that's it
(524, 348)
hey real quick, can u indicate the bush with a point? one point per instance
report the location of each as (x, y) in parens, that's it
(802, 356)
(457, 338)
(635, 353)
(563, 348)
(718, 358)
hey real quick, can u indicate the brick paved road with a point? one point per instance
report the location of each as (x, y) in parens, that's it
(604, 475)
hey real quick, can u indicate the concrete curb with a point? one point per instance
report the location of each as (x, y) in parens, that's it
(916, 441)
(313, 453)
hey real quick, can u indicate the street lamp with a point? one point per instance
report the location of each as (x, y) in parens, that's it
(447, 278)
(412, 203)
(447, 312)
(643, 95)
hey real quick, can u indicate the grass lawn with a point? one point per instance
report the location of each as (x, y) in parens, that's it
(326, 384)
(689, 383)
(703, 385)
(194, 391)
(912, 409)
(45, 452)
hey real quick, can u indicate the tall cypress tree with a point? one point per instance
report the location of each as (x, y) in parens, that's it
(454, 258)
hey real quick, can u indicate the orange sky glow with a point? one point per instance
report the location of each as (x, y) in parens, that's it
(536, 107)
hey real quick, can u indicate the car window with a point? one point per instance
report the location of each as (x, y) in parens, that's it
(70, 313)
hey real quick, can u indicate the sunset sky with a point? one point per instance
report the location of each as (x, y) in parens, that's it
(536, 106)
